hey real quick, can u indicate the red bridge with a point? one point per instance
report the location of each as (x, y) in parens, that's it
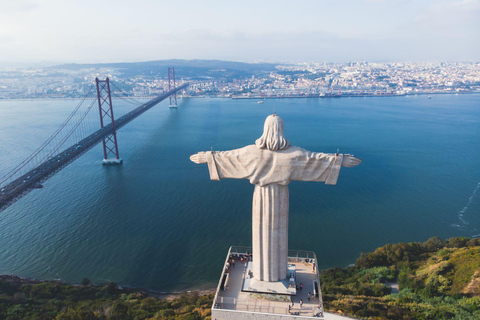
(50, 158)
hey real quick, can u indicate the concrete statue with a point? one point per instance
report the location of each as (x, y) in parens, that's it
(271, 164)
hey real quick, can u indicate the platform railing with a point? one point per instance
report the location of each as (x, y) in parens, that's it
(264, 306)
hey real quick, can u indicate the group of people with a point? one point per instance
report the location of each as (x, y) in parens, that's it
(300, 287)
(290, 307)
(312, 261)
(243, 257)
(231, 260)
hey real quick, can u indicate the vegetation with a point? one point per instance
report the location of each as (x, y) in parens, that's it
(193, 69)
(54, 300)
(437, 280)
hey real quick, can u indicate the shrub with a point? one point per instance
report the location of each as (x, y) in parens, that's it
(193, 316)
(71, 314)
(473, 242)
(165, 313)
(112, 288)
(444, 254)
(456, 242)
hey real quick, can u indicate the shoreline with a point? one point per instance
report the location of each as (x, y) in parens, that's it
(13, 279)
(336, 96)
(267, 98)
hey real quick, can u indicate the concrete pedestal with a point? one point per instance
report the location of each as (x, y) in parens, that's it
(282, 287)
(112, 161)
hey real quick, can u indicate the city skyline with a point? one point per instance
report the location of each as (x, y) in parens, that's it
(251, 81)
(54, 32)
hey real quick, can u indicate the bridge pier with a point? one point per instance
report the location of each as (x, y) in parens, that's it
(112, 161)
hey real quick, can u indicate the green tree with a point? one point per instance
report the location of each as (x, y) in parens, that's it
(85, 282)
(433, 244)
(112, 288)
(193, 316)
(456, 242)
(72, 314)
(119, 311)
(473, 242)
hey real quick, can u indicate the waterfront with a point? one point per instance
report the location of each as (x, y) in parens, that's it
(229, 79)
(158, 222)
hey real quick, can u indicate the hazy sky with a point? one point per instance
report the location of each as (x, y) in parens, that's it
(309, 30)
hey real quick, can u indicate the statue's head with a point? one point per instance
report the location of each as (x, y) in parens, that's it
(273, 137)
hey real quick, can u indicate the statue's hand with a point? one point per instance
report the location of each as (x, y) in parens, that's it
(200, 157)
(350, 161)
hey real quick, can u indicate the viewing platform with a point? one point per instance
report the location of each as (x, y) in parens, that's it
(239, 296)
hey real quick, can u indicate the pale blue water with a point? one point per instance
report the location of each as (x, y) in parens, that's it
(157, 221)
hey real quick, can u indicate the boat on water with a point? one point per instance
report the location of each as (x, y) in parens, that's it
(429, 97)
(260, 101)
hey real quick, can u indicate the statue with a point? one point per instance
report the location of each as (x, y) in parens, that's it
(270, 164)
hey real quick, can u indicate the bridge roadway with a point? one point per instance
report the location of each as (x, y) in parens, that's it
(33, 179)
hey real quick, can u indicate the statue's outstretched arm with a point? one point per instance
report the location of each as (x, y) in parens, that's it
(350, 161)
(200, 157)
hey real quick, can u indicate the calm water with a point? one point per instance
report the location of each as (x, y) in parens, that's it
(158, 221)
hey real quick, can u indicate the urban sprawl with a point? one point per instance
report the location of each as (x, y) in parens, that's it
(284, 81)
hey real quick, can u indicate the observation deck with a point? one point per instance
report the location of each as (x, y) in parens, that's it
(239, 297)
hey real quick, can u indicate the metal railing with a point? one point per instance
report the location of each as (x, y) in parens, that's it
(264, 306)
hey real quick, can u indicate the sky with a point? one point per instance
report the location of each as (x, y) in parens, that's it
(91, 31)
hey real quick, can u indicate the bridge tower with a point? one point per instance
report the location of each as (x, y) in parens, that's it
(107, 122)
(171, 86)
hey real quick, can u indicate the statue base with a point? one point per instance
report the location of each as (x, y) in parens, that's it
(284, 287)
(240, 296)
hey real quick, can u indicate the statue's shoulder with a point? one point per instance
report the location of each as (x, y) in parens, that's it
(299, 152)
(250, 149)
(293, 149)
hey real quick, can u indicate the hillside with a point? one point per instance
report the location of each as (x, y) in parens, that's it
(436, 279)
(22, 299)
(192, 69)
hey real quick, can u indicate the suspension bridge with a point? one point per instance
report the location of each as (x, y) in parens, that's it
(74, 133)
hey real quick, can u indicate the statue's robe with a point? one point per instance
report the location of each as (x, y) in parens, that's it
(271, 172)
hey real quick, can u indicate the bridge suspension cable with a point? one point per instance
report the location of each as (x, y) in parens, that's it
(74, 127)
(34, 155)
(125, 97)
(80, 130)
(69, 134)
